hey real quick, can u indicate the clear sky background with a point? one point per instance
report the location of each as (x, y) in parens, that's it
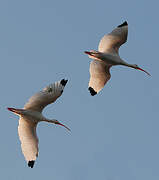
(115, 134)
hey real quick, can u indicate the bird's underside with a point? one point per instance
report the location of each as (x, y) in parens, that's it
(100, 66)
(108, 54)
(31, 115)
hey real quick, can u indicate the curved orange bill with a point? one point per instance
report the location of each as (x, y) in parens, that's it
(143, 71)
(63, 125)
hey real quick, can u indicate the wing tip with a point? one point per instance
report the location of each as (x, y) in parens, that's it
(63, 82)
(123, 24)
(92, 91)
(31, 163)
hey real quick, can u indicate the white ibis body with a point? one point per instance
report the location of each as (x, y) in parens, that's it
(31, 115)
(106, 57)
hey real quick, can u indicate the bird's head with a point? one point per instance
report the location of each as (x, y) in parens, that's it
(135, 66)
(94, 54)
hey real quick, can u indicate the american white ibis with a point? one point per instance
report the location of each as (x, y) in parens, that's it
(106, 57)
(31, 115)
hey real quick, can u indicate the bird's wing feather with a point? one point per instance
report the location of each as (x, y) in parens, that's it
(99, 75)
(28, 138)
(47, 96)
(111, 42)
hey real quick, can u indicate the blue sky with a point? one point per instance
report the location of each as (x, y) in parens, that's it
(114, 134)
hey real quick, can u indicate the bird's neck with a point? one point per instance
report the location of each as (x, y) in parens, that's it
(127, 64)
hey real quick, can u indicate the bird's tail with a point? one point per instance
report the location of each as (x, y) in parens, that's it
(16, 111)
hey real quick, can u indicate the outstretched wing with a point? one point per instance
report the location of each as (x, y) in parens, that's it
(29, 140)
(47, 96)
(99, 75)
(111, 42)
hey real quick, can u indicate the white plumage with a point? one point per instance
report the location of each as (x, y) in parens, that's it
(111, 42)
(28, 138)
(32, 114)
(47, 96)
(106, 57)
(99, 75)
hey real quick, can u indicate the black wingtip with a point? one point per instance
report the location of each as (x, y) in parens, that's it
(31, 164)
(92, 91)
(123, 24)
(63, 82)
